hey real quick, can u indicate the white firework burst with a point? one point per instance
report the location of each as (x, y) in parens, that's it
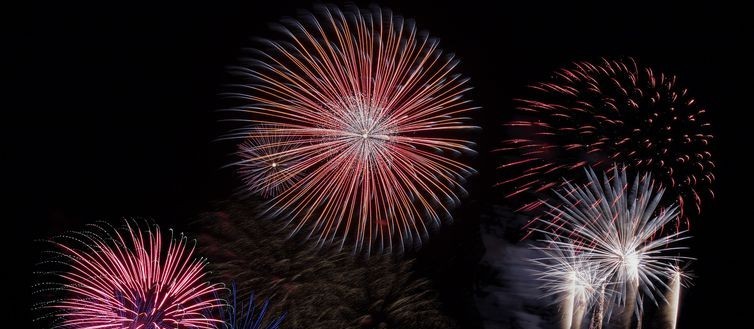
(571, 278)
(616, 227)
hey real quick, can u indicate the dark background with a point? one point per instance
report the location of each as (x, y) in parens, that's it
(112, 114)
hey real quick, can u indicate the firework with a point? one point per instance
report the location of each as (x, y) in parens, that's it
(129, 279)
(673, 297)
(618, 227)
(240, 316)
(374, 115)
(265, 163)
(572, 278)
(316, 287)
(612, 111)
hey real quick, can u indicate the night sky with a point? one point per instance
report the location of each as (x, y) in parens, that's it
(113, 113)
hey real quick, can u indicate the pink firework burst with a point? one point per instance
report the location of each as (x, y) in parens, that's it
(608, 112)
(128, 279)
(375, 117)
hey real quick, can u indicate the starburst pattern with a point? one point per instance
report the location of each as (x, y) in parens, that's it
(375, 115)
(611, 111)
(129, 279)
(615, 229)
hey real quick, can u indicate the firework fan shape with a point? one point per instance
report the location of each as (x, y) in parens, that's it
(617, 228)
(129, 279)
(612, 111)
(372, 115)
(316, 287)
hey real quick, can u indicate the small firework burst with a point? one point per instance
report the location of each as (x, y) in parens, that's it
(612, 111)
(374, 116)
(615, 228)
(115, 279)
(266, 162)
(315, 287)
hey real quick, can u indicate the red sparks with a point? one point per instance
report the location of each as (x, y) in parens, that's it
(606, 113)
(370, 117)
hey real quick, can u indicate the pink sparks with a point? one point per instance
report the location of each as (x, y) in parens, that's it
(129, 279)
(371, 118)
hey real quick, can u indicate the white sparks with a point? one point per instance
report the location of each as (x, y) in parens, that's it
(610, 235)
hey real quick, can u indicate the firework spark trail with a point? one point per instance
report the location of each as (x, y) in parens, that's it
(129, 279)
(598, 317)
(631, 301)
(580, 307)
(673, 298)
(605, 112)
(567, 312)
(617, 227)
(373, 113)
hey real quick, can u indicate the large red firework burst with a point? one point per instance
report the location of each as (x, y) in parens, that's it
(608, 112)
(370, 117)
(128, 279)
